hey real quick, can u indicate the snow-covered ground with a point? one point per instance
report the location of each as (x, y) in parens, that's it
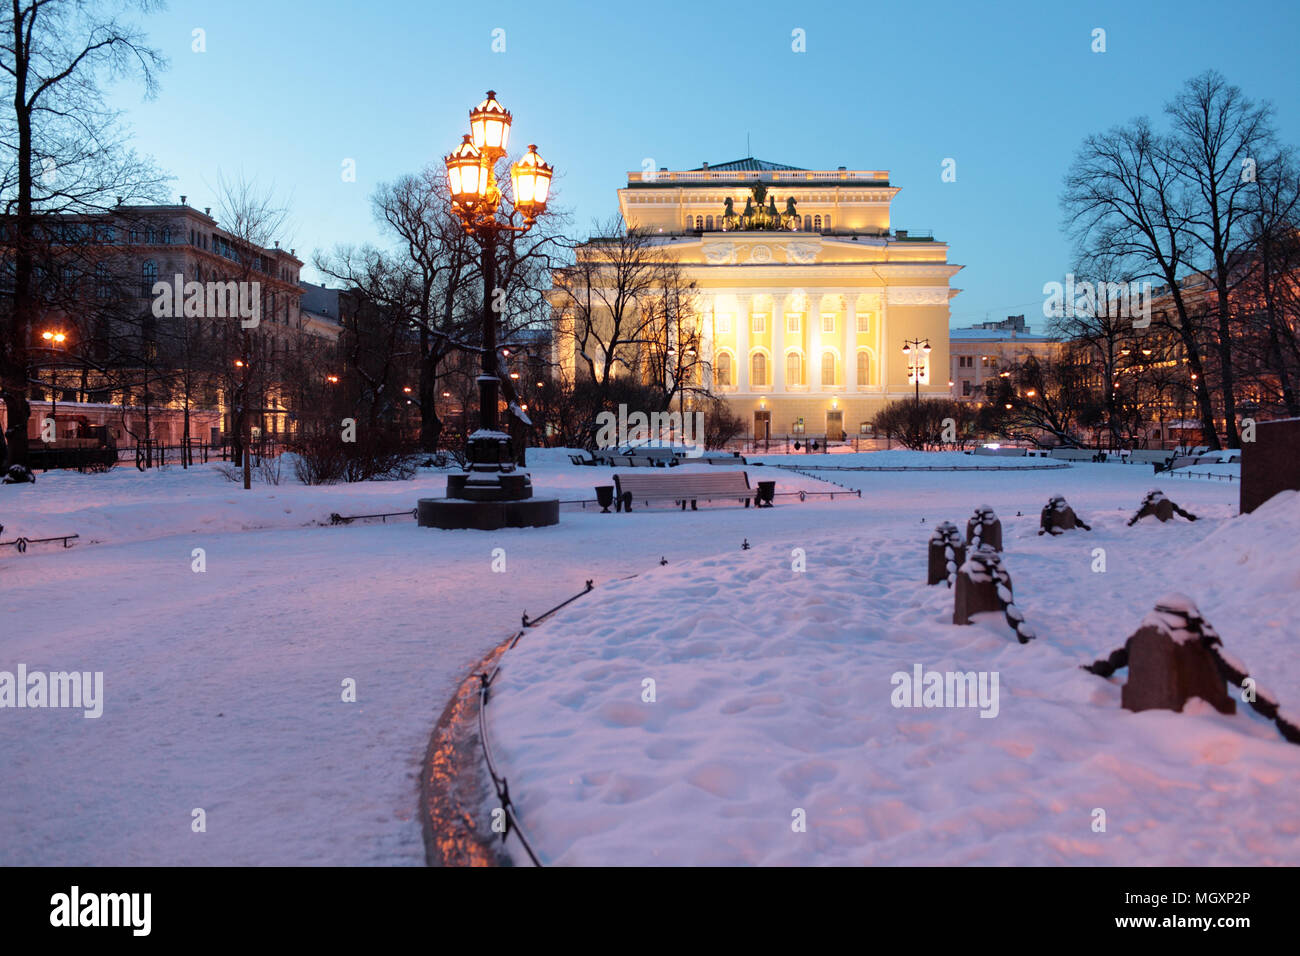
(902, 458)
(773, 693)
(223, 688)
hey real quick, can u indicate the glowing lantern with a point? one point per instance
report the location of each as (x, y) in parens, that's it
(532, 182)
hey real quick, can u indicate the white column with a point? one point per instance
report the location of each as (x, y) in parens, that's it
(778, 343)
(707, 318)
(850, 350)
(815, 342)
(744, 322)
(882, 340)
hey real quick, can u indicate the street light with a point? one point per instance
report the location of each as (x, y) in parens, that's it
(532, 183)
(917, 365)
(476, 201)
(56, 339)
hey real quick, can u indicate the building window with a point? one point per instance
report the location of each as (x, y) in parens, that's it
(807, 223)
(167, 235)
(828, 368)
(792, 322)
(965, 361)
(828, 323)
(708, 223)
(758, 365)
(864, 368)
(828, 223)
(699, 223)
(864, 321)
(723, 323)
(793, 369)
(817, 223)
(102, 287)
(758, 324)
(723, 371)
(148, 276)
(965, 386)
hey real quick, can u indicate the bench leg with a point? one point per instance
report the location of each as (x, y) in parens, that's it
(746, 502)
(627, 501)
(694, 505)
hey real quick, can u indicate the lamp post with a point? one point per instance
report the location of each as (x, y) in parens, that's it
(55, 340)
(916, 365)
(493, 483)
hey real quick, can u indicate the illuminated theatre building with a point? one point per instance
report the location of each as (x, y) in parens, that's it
(806, 297)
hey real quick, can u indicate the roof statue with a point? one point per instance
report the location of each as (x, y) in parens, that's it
(760, 213)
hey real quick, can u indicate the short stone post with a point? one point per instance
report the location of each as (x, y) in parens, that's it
(984, 529)
(983, 584)
(1155, 503)
(947, 552)
(1169, 660)
(1058, 517)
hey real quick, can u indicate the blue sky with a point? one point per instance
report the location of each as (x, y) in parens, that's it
(288, 89)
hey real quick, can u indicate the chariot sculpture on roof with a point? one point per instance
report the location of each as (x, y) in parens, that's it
(760, 213)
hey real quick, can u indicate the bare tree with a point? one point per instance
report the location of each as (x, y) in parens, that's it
(602, 298)
(61, 150)
(255, 217)
(1125, 205)
(1270, 293)
(1219, 138)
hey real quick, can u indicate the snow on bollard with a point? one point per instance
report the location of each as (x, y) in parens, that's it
(984, 585)
(1155, 503)
(1169, 660)
(1176, 654)
(947, 552)
(1058, 517)
(984, 529)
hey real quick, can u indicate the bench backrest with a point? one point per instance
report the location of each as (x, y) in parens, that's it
(683, 484)
(1149, 455)
(1072, 454)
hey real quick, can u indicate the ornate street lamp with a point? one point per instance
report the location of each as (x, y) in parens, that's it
(532, 183)
(494, 493)
(915, 366)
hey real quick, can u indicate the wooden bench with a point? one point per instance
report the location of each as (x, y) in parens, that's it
(1073, 454)
(720, 458)
(680, 487)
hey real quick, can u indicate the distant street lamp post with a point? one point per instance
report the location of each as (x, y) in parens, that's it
(920, 348)
(493, 480)
(56, 340)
